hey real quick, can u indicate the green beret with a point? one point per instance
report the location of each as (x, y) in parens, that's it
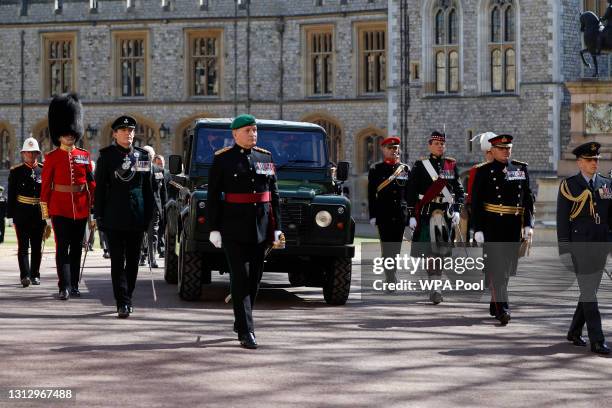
(242, 121)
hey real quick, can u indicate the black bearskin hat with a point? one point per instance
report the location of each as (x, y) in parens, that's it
(65, 117)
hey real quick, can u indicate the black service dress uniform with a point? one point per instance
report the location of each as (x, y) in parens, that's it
(23, 207)
(387, 203)
(502, 205)
(123, 208)
(247, 218)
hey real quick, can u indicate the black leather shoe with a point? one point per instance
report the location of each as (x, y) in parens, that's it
(106, 255)
(63, 294)
(25, 282)
(154, 264)
(435, 297)
(504, 318)
(600, 347)
(492, 308)
(162, 254)
(74, 292)
(576, 339)
(248, 340)
(36, 281)
(123, 311)
(131, 309)
(142, 262)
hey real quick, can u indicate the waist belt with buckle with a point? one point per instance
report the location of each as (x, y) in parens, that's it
(248, 198)
(69, 188)
(438, 199)
(28, 200)
(503, 209)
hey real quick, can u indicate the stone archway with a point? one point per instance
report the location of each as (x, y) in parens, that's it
(8, 146)
(179, 143)
(335, 142)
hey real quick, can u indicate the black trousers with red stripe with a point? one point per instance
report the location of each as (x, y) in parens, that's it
(29, 237)
(68, 248)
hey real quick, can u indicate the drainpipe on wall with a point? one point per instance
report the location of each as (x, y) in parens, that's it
(235, 58)
(280, 27)
(22, 74)
(248, 52)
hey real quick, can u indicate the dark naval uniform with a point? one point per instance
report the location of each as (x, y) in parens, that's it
(246, 217)
(123, 208)
(502, 205)
(584, 220)
(388, 204)
(24, 208)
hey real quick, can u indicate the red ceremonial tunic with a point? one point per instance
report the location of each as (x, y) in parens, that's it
(67, 188)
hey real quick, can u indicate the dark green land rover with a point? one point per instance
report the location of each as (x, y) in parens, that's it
(316, 216)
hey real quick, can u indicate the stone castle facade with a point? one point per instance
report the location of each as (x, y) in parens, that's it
(363, 69)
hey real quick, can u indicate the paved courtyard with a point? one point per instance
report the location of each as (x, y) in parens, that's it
(398, 353)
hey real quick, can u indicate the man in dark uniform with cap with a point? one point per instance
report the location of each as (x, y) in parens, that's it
(247, 221)
(387, 200)
(437, 195)
(67, 189)
(24, 210)
(502, 216)
(124, 207)
(2, 213)
(584, 219)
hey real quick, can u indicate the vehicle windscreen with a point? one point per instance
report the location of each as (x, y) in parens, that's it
(289, 148)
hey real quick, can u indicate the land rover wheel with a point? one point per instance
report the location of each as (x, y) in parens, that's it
(337, 281)
(189, 273)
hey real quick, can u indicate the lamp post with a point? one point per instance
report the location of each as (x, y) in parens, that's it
(91, 132)
(163, 131)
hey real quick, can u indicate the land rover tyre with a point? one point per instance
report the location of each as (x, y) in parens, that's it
(189, 273)
(171, 259)
(337, 281)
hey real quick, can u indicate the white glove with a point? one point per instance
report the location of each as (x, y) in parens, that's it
(48, 221)
(527, 232)
(412, 224)
(373, 222)
(455, 218)
(10, 221)
(479, 237)
(277, 235)
(215, 238)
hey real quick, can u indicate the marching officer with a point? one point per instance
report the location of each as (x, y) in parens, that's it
(584, 219)
(437, 195)
(247, 221)
(387, 200)
(24, 209)
(67, 190)
(502, 216)
(123, 207)
(485, 147)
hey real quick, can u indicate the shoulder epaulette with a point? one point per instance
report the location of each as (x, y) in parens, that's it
(519, 162)
(423, 158)
(17, 165)
(481, 164)
(225, 149)
(602, 176)
(52, 150)
(259, 149)
(450, 159)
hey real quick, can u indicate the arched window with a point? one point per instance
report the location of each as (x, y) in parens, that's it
(334, 139)
(44, 140)
(371, 151)
(440, 28)
(452, 27)
(446, 64)
(495, 25)
(5, 149)
(144, 135)
(502, 46)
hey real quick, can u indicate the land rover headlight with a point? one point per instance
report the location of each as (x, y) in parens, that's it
(323, 219)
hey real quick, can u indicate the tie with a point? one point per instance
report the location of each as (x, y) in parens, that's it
(591, 185)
